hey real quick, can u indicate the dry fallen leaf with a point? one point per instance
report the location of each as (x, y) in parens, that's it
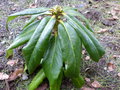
(87, 88)
(13, 8)
(116, 56)
(110, 66)
(118, 74)
(12, 62)
(102, 31)
(87, 79)
(15, 74)
(32, 5)
(3, 76)
(96, 84)
(39, 17)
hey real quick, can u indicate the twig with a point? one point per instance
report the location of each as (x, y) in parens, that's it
(7, 85)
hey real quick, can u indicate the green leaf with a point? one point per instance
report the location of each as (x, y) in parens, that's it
(33, 17)
(52, 63)
(71, 49)
(88, 43)
(34, 50)
(69, 8)
(9, 53)
(57, 83)
(22, 38)
(26, 12)
(78, 81)
(37, 80)
(76, 13)
(91, 36)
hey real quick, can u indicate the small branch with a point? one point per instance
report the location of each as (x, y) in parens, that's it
(7, 85)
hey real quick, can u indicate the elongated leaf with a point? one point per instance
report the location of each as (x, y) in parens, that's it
(88, 43)
(52, 64)
(78, 81)
(91, 36)
(33, 17)
(57, 83)
(71, 49)
(69, 8)
(22, 38)
(37, 80)
(76, 13)
(26, 12)
(34, 50)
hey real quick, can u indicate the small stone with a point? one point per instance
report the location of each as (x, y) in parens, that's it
(3, 42)
(24, 76)
(87, 58)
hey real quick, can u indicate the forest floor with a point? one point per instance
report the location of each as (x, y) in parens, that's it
(104, 16)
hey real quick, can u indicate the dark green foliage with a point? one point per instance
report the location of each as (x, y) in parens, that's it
(55, 45)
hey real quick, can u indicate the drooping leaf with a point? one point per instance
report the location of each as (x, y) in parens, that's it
(30, 11)
(91, 36)
(88, 43)
(71, 49)
(33, 17)
(76, 13)
(78, 81)
(34, 50)
(52, 64)
(22, 38)
(57, 83)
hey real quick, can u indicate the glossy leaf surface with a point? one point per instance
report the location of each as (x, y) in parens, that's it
(23, 37)
(76, 13)
(91, 36)
(34, 50)
(71, 49)
(52, 64)
(88, 43)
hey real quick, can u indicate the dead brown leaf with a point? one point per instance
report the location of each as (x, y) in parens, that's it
(32, 5)
(15, 74)
(102, 31)
(13, 8)
(87, 88)
(3, 76)
(111, 66)
(39, 17)
(87, 80)
(116, 56)
(96, 84)
(118, 74)
(12, 62)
